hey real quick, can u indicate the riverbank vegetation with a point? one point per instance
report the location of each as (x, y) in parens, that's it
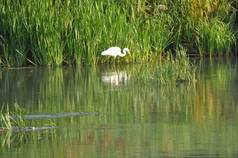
(50, 32)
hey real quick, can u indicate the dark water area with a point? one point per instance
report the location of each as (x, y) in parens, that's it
(136, 116)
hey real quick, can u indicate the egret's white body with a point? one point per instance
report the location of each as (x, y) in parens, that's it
(115, 51)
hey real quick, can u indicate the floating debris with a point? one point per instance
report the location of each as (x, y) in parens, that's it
(18, 122)
(51, 116)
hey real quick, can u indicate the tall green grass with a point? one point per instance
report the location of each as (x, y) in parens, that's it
(67, 32)
(215, 37)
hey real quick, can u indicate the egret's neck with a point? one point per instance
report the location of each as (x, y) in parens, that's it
(124, 52)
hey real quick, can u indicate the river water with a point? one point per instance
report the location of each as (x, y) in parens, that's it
(126, 116)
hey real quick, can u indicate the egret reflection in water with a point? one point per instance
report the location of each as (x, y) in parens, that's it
(115, 78)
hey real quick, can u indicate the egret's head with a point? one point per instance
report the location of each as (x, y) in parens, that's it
(126, 50)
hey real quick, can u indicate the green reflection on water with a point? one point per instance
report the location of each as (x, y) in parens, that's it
(138, 118)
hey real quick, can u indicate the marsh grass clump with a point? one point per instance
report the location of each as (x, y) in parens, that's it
(176, 68)
(215, 38)
(11, 118)
(172, 69)
(179, 67)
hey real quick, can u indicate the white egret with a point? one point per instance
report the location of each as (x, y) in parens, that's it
(115, 51)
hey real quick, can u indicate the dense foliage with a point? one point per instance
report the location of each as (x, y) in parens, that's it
(55, 32)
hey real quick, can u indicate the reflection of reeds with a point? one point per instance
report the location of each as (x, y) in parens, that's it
(81, 90)
(10, 138)
(172, 70)
(158, 138)
(217, 101)
(168, 119)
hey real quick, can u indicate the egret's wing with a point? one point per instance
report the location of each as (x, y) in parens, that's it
(113, 51)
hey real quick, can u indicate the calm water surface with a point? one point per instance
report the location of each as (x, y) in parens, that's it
(137, 117)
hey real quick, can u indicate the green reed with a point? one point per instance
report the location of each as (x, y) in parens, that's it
(173, 69)
(8, 121)
(12, 118)
(67, 32)
(215, 37)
